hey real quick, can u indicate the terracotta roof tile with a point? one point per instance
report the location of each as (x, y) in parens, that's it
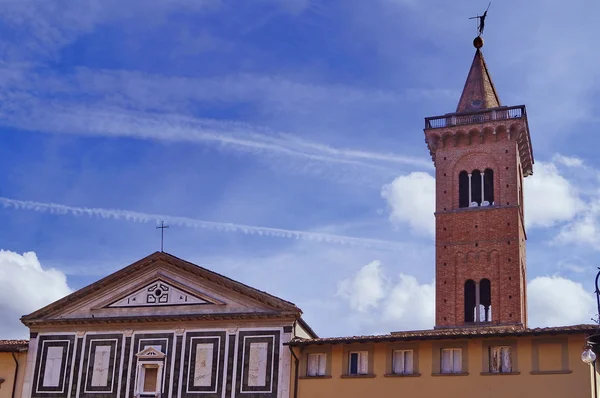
(14, 345)
(454, 333)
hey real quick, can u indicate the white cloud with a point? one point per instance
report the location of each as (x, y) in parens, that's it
(549, 197)
(388, 304)
(411, 199)
(557, 301)
(26, 287)
(410, 305)
(366, 289)
(569, 161)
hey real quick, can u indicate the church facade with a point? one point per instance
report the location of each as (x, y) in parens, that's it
(162, 327)
(481, 344)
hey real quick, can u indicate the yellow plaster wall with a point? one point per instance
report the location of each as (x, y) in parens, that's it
(575, 384)
(7, 372)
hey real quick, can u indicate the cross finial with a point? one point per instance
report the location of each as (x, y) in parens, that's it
(162, 234)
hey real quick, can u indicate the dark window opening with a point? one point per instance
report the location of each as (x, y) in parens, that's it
(478, 301)
(470, 300)
(485, 299)
(488, 187)
(463, 189)
(476, 187)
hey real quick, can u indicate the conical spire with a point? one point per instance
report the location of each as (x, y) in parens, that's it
(479, 92)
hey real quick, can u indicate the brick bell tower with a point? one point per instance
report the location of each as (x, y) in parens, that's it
(481, 154)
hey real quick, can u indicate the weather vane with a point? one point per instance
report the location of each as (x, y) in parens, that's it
(481, 19)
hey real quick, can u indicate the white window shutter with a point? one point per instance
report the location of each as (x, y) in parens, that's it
(457, 360)
(322, 360)
(506, 359)
(495, 353)
(312, 365)
(398, 362)
(446, 361)
(408, 362)
(363, 363)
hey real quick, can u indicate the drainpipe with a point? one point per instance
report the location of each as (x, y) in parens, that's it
(16, 374)
(296, 361)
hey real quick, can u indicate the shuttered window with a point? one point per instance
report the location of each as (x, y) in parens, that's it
(451, 360)
(402, 362)
(500, 359)
(316, 364)
(358, 363)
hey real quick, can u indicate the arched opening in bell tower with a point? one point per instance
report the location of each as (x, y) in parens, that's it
(485, 300)
(463, 189)
(470, 300)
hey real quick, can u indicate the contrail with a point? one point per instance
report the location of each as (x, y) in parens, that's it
(27, 112)
(133, 216)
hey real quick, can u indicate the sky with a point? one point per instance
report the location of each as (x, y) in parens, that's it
(282, 142)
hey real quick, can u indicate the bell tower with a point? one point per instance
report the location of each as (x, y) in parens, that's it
(481, 154)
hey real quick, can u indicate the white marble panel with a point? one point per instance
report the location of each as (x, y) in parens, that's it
(101, 365)
(257, 365)
(52, 369)
(203, 365)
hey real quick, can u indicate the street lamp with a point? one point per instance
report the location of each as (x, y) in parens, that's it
(593, 342)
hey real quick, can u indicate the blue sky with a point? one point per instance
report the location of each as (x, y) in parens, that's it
(282, 141)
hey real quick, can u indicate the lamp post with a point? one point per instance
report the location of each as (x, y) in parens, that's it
(592, 348)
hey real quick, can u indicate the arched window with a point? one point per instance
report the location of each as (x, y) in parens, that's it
(476, 187)
(470, 300)
(463, 189)
(488, 187)
(478, 301)
(485, 299)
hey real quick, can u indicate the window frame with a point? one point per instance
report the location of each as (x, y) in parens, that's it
(487, 345)
(436, 351)
(501, 349)
(362, 354)
(353, 348)
(303, 363)
(319, 355)
(412, 359)
(452, 351)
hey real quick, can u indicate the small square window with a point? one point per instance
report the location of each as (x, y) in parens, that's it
(402, 362)
(451, 360)
(316, 364)
(358, 363)
(500, 359)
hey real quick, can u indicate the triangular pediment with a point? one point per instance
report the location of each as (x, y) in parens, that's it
(162, 291)
(150, 353)
(162, 287)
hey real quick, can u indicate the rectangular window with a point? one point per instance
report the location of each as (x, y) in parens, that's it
(358, 363)
(150, 378)
(402, 362)
(101, 366)
(316, 364)
(257, 365)
(451, 360)
(203, 365)
(53, 367)
(500, 359)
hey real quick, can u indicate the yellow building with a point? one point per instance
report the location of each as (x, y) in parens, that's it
(13, 358)
(480, 345)
(487, 362)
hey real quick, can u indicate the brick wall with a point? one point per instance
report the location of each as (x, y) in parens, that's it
(480, 242)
